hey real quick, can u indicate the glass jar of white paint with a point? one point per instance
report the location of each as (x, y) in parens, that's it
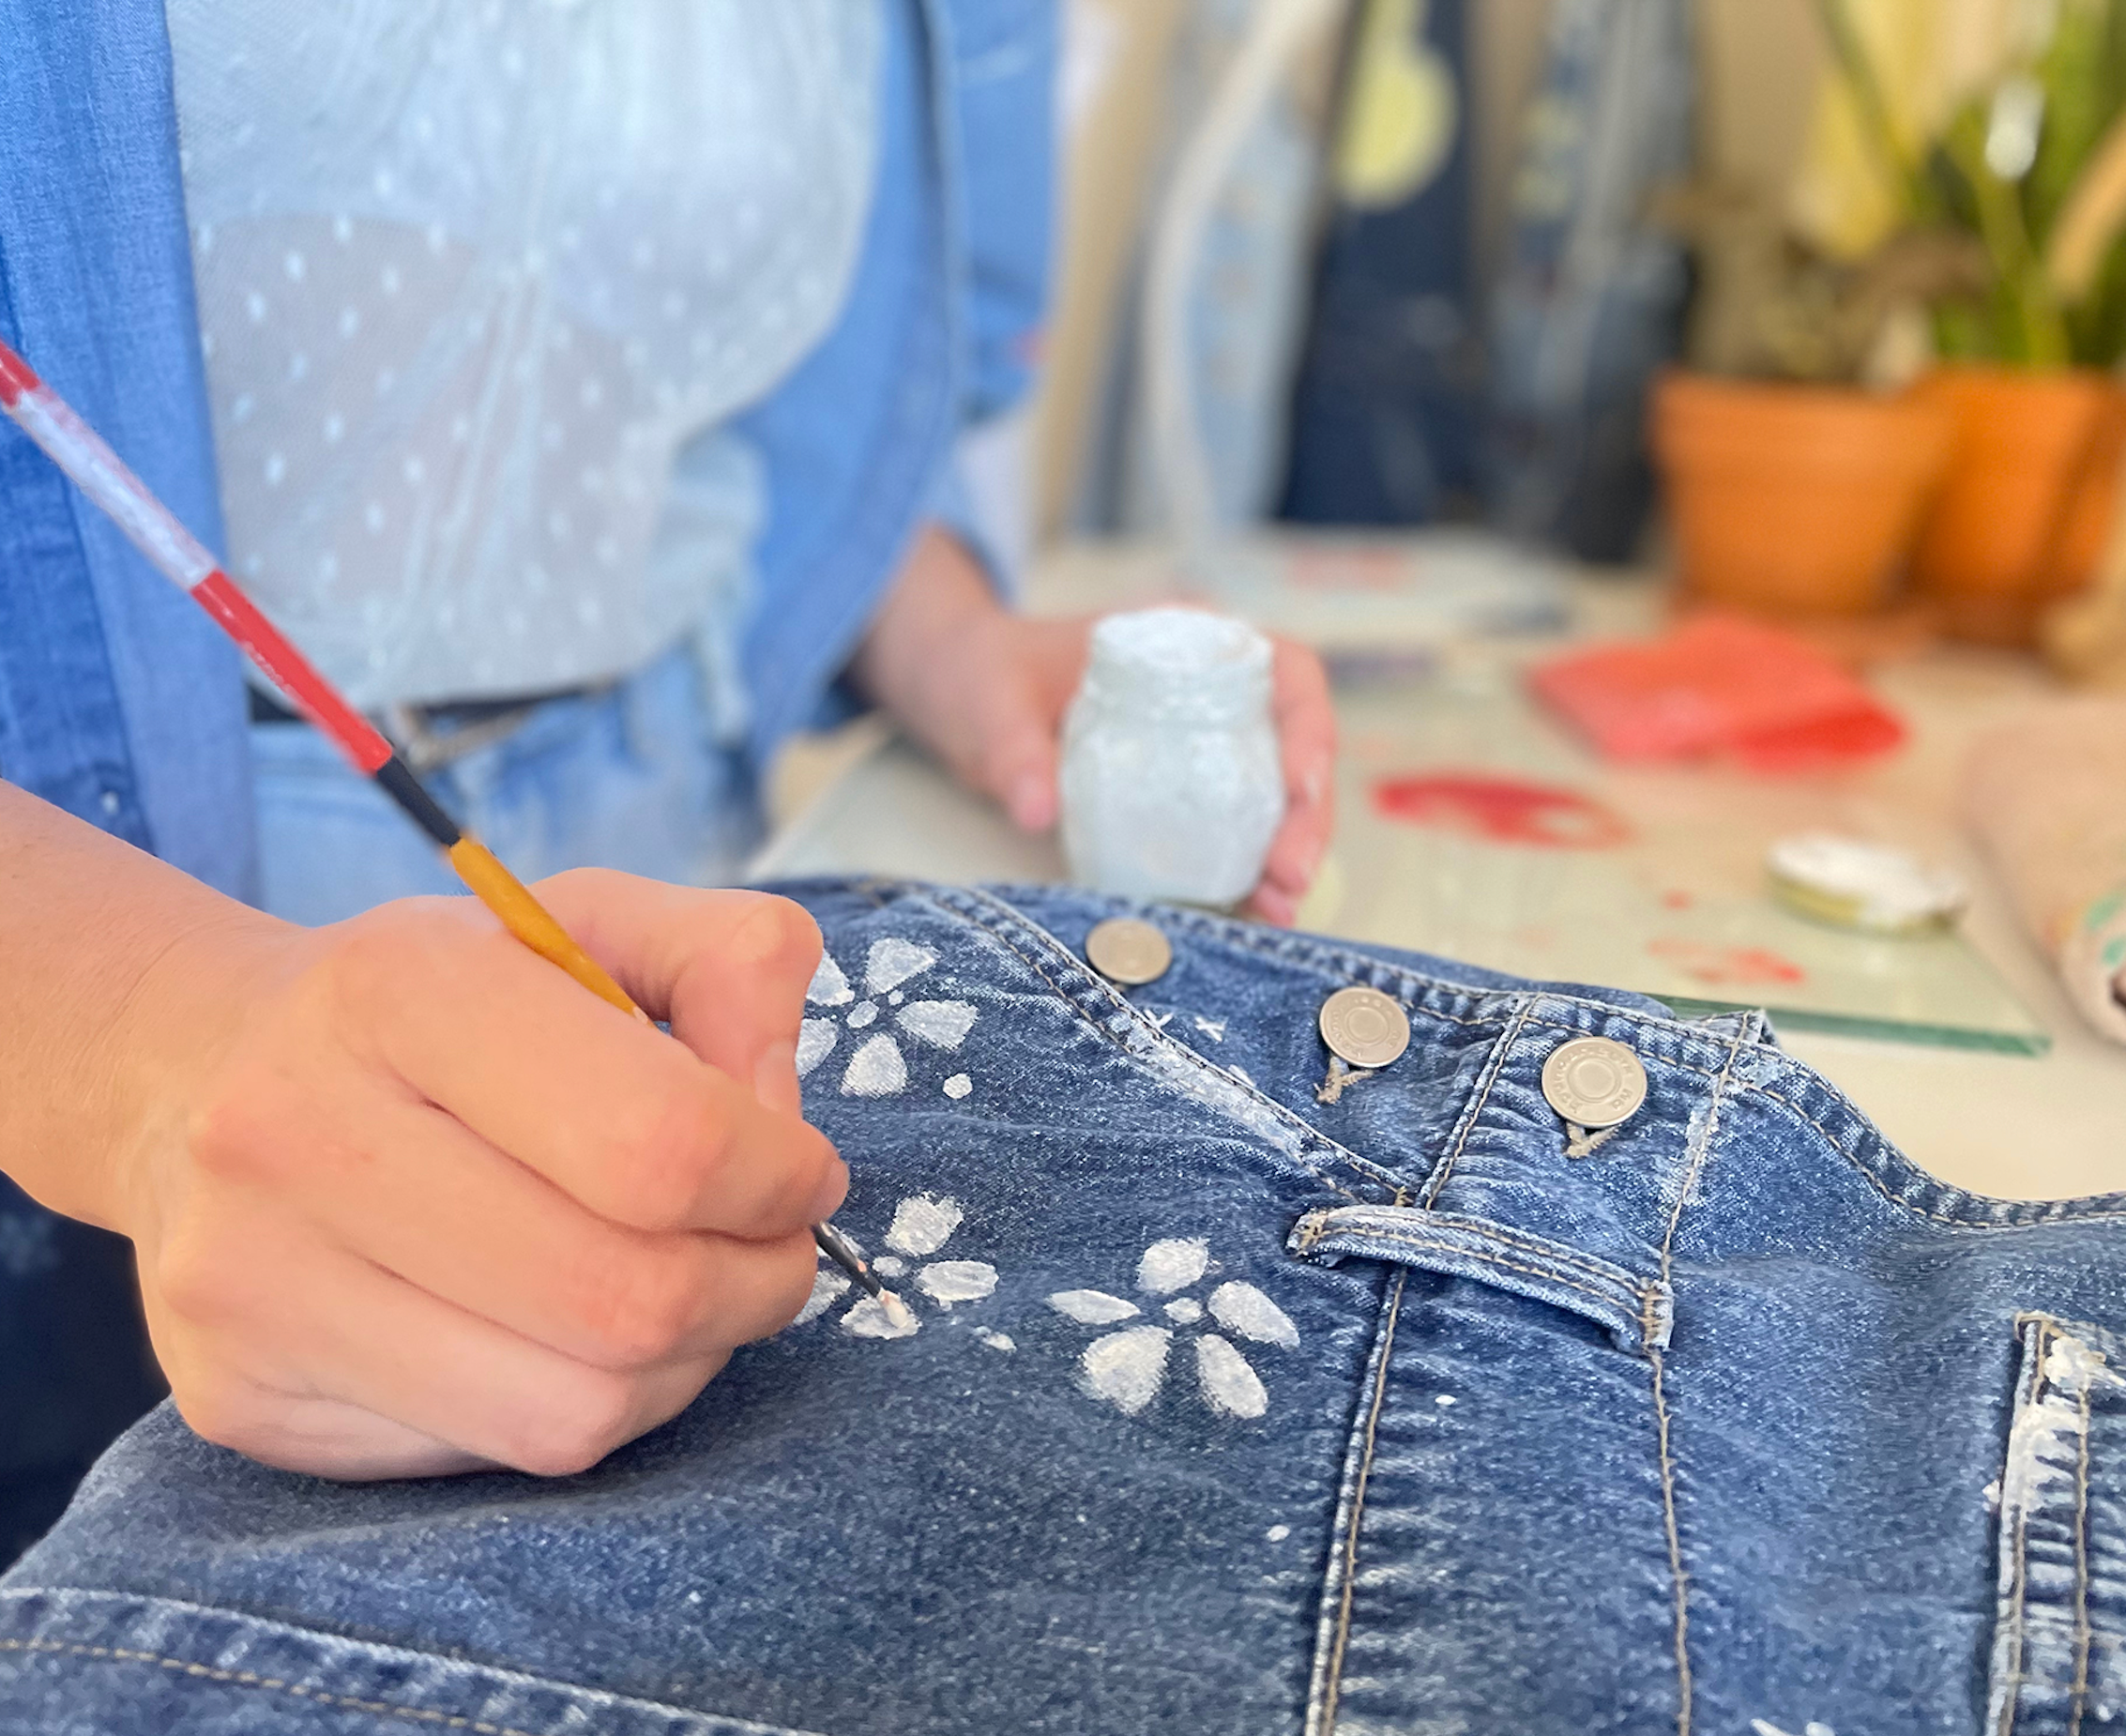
(1172, 785)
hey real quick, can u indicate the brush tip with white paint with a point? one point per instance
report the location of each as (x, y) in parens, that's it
(896, 1311)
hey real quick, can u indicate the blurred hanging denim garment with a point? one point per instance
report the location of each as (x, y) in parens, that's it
(1228, 1409)
(1384, 412)
(1590, 300)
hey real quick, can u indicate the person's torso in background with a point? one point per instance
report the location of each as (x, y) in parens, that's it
(478, 283)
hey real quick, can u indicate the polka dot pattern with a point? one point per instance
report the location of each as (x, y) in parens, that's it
(480, 281)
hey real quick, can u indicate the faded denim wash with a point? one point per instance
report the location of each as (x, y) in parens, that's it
(1230, 1410)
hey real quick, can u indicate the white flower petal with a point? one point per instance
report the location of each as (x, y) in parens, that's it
(829, 987)
(828, 1285)
(922, 1222)
(1242, 1308)
(1126, 1368)
(1183, 1311)
(876, 1070)
(1229, 1385)
(957, 1280)
(816, 1039)
(944, 1022)
(1093, 1307)
(864, 1013)
(1171, 1265)
(869, 1320)
(892, 962)
(888, 1266)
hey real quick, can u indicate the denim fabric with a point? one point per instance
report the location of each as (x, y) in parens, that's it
(1230, 1410)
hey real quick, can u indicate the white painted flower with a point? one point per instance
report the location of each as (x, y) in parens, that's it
(923, 1223)
(1127, 1367)
(878, 1066)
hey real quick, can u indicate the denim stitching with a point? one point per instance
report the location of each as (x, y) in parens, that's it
(1311, 1136)
(1608, 1297)
(1339, 1638)
(248, 1679)
(1882, 1188)
(1682, 1580)
(2019, 1579)
(1494, 1064)
(1522, 1241)
(2083, 1634)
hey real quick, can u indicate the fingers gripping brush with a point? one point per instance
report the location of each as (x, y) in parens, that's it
(152, 529)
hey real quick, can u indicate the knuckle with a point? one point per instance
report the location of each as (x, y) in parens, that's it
(662, 1155)
(788, 1281)
(227, 1412)
(643, 1306)
(571, 1436)
(775, 937)
(194, 1285)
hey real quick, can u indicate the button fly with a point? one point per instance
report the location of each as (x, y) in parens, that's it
(1125, 951)
(1593, 1082)
(1364, 1027)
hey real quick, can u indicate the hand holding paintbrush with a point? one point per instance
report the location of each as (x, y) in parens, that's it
(406, 1199)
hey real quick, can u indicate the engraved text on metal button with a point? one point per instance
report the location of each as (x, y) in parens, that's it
(1365, 1026)
(1123, 950)
(1593, 1082)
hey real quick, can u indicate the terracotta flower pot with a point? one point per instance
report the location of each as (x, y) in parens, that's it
(1794, 501)
(2022, 514)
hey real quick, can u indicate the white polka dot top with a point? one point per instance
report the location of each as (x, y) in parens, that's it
(479, 282)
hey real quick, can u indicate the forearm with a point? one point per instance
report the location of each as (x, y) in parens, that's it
(91, 1023)
(938, 592)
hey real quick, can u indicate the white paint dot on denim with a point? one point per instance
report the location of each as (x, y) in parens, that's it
(995, 1341)
(826, 1288)
(1126, 1368)
(958, 1086)
(892, 961)
(922, 1222)
(1242, 1308)
(889, 1265)
(896, 998)
(863, 1014)
(1445, 1398)
(946, 1281)
(1092, 1307)
(1277, 1534)
(1228, 1383)
(829, 986)
(876, 1070)
(1183, 1311)
(1172, 1265)
(944, 1024)
(1214, 1029)
(816, 1039)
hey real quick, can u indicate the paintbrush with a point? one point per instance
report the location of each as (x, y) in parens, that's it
(177, 554)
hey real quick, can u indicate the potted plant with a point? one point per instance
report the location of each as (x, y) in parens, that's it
(2008, 126)
(1795, 465)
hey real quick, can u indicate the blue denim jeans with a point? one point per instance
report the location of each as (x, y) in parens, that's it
(1229, 1410)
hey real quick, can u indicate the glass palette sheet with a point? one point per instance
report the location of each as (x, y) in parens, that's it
(1472, 826)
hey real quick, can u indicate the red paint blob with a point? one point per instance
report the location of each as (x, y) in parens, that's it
(1500, 809)
(1675, 901)
(1727, 967)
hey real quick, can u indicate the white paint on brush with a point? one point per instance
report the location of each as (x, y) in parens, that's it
(1092, 1307)
(1229, 1385)
(829, 987)
(958, 1086)
(957, 1280)
(876, 1070)
(944, 1023)
(816, 1039)
(1173, 1264)
(1242, 1308)
(922, 1223)
(892, 962)
(874, 1317)
(1126, 1368)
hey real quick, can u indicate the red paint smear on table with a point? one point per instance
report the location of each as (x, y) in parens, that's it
(1500, 809)
(1727, 967)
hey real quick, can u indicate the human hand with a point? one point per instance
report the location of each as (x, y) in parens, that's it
(417, 1204)
(986, 690)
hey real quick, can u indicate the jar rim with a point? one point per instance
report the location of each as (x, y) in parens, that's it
(1174, 643)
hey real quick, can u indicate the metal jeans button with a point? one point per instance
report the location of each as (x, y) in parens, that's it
(1593, 1082)
(1129, 951)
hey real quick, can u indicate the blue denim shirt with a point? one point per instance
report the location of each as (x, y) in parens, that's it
(122, 704)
